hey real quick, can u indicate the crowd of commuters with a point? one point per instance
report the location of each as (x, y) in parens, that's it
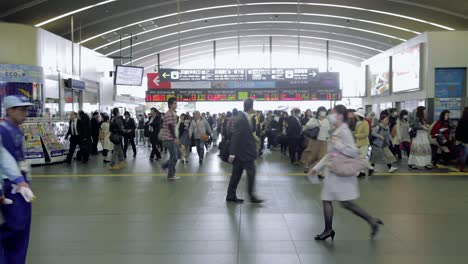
(303, 137)
(337, 145)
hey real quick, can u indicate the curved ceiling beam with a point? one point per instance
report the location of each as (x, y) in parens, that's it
(230, 50)
(268, 3)
(246, 46)
(289, 31)
(224, 25)
(269, 13)
(246, 38)
(73, 12)
(261, 30)
(430, 7)
(360, 9)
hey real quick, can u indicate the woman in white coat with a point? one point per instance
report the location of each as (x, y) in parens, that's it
(339, 188)
(104, 134)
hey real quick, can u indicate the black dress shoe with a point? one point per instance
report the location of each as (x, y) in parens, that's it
(234, 200)
(255, 200)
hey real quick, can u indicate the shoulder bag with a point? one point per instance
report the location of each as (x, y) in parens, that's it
(203, 136)
(312, 133)
(344, 166)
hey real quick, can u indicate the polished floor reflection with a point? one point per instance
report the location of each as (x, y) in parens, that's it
(88, 214)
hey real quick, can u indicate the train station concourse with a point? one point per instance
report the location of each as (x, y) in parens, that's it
(233, 131)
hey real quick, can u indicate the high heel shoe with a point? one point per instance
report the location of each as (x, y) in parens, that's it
(323, 236)
(376, 227)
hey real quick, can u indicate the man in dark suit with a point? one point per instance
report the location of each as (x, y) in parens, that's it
(154, 127)
(293, 133)
(73, 133)
(84, 130)
(95, 132)
(243, 153)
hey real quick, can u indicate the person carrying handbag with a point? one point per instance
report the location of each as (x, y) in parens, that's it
(198, 131)
(317, 146)
(341, 164)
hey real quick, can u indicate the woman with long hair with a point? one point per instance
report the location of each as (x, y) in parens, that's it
(316, 147)
(344, 189)
(402, 137)
(104, 134)
(183, 135)
(420, 153)
(461, 135)
(441, 133)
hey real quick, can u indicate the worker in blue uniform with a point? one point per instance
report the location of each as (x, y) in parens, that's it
(14, 232)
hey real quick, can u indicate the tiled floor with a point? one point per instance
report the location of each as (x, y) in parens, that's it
(83, 216)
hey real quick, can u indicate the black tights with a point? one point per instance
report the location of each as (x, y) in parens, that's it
(348, 205)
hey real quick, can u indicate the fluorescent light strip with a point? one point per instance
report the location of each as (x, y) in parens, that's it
(292, 47)
(228, 24)
(327, 25)
(256, 14)
(218, 39)
(229, 48)
(274, 3)
(159, 28)
(226, 38)
(306, 37)
(73, 12)
(355, 8)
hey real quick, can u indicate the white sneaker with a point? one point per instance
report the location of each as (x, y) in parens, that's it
(392, 169)
(175, 178)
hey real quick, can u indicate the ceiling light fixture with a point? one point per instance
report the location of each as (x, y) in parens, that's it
(256, 22)
(234, 37)
(284, 3)
(73, 12)
(250, 46)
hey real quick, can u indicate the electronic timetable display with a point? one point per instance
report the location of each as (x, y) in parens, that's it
(204, 95)
(219, 85)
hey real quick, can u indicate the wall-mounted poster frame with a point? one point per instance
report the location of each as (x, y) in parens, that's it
(406, 70)
(450, 82)
(378, 77)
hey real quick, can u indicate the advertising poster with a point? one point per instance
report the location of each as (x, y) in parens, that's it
(454, 105)
(378, 77)
(450, 82)
(406, 69)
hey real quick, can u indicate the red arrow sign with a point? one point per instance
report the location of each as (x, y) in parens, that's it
(154, 82)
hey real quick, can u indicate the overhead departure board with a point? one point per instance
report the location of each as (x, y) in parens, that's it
(159, 96)
(221, 95)
(201, 95)
(192, 75)
(191, 96)
(295, 95)
(325, 95)
(264, 95)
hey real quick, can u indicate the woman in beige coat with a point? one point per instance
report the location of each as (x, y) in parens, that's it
(316, 148)
(344, 189)
(104, 134)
